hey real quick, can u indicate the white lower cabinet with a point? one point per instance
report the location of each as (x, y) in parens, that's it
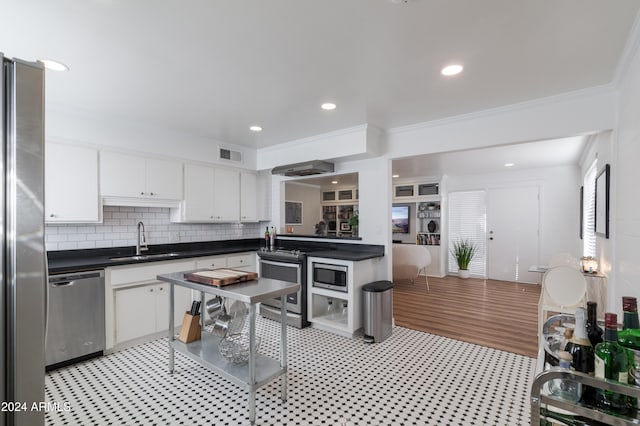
(143, 310)
(344, 317)
(136, 303)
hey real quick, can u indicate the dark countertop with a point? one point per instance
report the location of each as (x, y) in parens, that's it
(93, 259)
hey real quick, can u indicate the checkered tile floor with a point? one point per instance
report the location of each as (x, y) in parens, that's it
(412, 378)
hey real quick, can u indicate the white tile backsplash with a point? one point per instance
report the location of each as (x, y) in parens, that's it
(119, 229)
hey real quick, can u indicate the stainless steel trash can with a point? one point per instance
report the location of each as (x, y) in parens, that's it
(377, 310)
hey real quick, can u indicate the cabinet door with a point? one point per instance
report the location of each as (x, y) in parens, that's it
(135, 310)
(226, 195)
(122, 175)
(198, 193)
(181, 304)
(71, 184)
(164, 179)
(248, 197)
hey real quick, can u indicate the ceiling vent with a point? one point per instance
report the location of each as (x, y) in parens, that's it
(225, 154)
(308, 168)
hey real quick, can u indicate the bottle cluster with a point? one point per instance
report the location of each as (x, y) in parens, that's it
(610, 354)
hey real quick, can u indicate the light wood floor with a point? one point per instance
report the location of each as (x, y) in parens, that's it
(497, 314)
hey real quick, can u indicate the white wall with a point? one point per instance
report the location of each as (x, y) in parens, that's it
(309, 195)
(115, 132)
(559, 202)
(623, 251)
(119, 230)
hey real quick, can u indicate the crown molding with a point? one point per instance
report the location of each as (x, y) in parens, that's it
(492, 112)
(310, 139)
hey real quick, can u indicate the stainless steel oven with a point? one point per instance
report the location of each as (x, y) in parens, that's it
(287, 266)
(332, 277)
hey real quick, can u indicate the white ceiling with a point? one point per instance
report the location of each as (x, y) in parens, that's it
(531, 155)
(212, 68)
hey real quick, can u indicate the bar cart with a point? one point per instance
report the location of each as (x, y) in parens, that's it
(259, 370)
(542, 401)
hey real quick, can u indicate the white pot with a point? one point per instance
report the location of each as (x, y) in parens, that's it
(463, 273)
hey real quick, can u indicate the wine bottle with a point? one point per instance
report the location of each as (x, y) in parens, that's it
(579, 345)
(582, 353)
(266, 238)
(629, 337)
(611, 362)
(594, 331)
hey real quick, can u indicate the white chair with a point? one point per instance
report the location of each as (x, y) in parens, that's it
(564, 289)
(410, 261)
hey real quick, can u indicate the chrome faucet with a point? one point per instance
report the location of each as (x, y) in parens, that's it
(141, 244)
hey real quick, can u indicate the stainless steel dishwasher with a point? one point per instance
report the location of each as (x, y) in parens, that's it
(75, 318)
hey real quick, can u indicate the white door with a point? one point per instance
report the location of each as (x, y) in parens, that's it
(512, 233)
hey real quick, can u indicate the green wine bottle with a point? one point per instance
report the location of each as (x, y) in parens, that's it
(629, 336)
(611, 362)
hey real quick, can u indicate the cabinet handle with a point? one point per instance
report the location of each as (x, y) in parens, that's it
(213, 264)
(52, 215)
(142, 193)
(161, 288)
(151, 290)
(151, 193)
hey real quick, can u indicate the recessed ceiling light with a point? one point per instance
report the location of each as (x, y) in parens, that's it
(452, 69)
(328, 106)
(54, 65)
(255, 128)
(395, 176)
(334, 182)
(509, 164)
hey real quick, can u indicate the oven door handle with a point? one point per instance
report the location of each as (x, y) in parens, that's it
(270, 262)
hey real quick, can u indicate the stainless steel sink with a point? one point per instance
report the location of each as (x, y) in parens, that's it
(144, 256)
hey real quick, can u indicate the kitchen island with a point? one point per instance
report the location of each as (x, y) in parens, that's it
(260, 369)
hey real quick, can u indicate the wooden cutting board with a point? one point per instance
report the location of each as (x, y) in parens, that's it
(220, 277)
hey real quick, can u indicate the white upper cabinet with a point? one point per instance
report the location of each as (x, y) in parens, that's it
(226, 195)
(248, 197)
(198, 195)
(133, 177)
(217, 194)
(71, 184)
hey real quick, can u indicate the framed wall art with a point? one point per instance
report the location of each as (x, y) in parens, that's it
(293, 212)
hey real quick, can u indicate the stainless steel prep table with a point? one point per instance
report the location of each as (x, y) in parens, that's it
(260, 369)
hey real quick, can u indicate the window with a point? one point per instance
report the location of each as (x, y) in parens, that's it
(589, 211)
(468, 221)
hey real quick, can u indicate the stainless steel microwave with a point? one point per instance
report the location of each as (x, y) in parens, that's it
(331, 277)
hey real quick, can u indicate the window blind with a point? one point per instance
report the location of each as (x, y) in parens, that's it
(589, 211)
(468, 221)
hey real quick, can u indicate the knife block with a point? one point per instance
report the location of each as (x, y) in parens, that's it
(191, 330)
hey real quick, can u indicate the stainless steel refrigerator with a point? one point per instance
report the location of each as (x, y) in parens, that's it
(22, 253)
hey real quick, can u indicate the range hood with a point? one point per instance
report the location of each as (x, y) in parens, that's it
(307, 168)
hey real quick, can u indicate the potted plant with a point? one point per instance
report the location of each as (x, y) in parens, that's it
(463, 251)
(353, 223)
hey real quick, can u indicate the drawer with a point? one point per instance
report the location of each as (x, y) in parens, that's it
(211, 262)
(241, 260)
(120, 275)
